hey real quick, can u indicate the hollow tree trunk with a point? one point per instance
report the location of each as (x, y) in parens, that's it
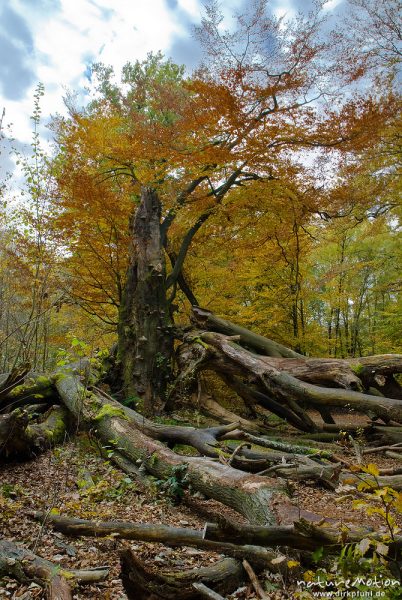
(145, 345)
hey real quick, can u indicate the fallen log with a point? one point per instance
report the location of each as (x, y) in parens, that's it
(25, 566)
(149, 532)
(30, 390)
(254, 497)
(233, 539)
(354, 373)
(222, 354)
(204, 319)
(378, 372)
(11, 380)
(302, 535)
(142, 583)
(327, 475)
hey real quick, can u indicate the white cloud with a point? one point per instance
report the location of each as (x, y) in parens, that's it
(79, 32)
(331, 4)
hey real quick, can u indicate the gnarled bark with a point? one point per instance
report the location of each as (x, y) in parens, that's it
(145, 344)
(22, 438)
(142, 583)
(204, 319)
(223, 355)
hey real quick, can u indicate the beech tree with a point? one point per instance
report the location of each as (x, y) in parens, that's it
(168, 153)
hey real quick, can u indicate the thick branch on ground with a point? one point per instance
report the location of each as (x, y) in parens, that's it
(222, 354)
(140, 582)
(155, 533)
(302, 535)
(250, 394)
(206, 440)
(252, 496)
(209, 407)
(25, 566)
(370, 371)
(227, 537)
(326, 475)
(204, 319)
(378, 372)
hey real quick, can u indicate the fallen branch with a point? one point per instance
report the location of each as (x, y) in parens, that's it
(254, 580)
(163, 534)
(25, 566)
(142, 582)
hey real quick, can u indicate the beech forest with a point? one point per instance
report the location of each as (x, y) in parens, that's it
(201, 317)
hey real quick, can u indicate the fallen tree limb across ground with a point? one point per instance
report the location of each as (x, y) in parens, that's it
(25, 566)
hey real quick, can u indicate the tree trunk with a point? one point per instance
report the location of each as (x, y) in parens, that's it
(142, 583)
(21, 438)
(145, 345)
(223, 355)
(154, 533)
(255, 497)
(204, 319)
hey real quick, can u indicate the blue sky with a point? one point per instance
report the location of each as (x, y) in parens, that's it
(55, 41)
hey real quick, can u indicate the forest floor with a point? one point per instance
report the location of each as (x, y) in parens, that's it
(75, 480)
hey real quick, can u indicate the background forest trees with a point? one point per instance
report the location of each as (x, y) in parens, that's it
(279, 178)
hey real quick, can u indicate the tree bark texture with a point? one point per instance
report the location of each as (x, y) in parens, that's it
(145, 344)
(25, 566)
(20, 438)
(152, 532)
(222, 354)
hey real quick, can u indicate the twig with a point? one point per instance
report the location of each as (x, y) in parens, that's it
(397, 446)
(237, 450)
(206, 592)
(253, 578)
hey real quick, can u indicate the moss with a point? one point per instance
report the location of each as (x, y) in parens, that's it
(357, 369)
(198, 340)
(59, 377)
(110, 411)
(44, 381)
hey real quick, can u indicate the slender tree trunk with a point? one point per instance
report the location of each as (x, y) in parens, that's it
(145, 342)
